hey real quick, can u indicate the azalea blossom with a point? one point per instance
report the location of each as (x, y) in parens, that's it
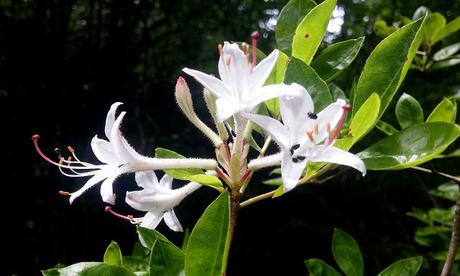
(304, 136)
(118, 157)
(158, 199)
(240, 87)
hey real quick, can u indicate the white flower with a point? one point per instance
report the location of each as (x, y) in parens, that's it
(305, 136)
(118, 157)
(240, 87)
(158, 200)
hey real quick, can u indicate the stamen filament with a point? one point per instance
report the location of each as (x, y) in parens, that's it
(337, 128)
(255, 36)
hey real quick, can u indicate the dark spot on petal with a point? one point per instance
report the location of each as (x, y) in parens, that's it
(294, 147)
(295, 160)
(301, 157)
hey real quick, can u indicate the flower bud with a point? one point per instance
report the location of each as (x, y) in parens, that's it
(210, 100)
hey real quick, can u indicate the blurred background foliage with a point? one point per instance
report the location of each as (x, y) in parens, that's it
(62, 63)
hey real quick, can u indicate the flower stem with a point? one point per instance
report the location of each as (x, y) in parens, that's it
(235, 198)
(451, 254)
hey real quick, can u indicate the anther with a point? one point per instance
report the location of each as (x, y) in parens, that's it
(70, 149)
(295, 160)
(310, 135)
(301, 157)
(220, 49)
(293, 148)
(312, 115)
(255, 36)
(229, 61)
(64, 193)
(57, 151)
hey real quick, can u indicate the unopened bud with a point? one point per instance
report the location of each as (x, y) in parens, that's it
(210, 101)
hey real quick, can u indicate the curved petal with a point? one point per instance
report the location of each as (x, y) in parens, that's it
(110, 119)
(141, 200)
(261, 72)
(216, 86)
(121, 147)
(327, 119)
(338, 156)
(166, 182)
(234, 68)
(269, 92)
(152, 219)
(224, 109)
(291, 171)
(146, 180)
(172, 221)
(107, 193)
(104, 151)
(103, 174)
(273, 127)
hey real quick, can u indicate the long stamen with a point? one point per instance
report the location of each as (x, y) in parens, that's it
(255, 36)
(108, 209)
(337, 128)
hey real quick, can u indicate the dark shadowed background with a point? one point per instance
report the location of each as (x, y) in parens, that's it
(63, 63)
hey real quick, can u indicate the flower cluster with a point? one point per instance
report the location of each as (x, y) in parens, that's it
(302, 136)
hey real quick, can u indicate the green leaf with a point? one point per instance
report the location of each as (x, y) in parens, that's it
(301, 73)
(70, 270)
(317, 267)
(408, 111)
(437, 237)
(277, 76)
(420, 12)
(442, 216)
(137, 264)
(414, 145)
(273, 182)
(433, 24)
(387, 66)
(420, 215)
(191, 174)
(337, 92)
(166, 259)
(150, 236)
(290, 17)
(405, 267)
(446, 52)
(365, 118)
(106, 270)
(445, 111)
(112, 255)
(139, 250)
(347, 254)
(335, 58)
(382, 29)
(310, 32)
(207, 249)
(445, 63)
(386, 128)
(449, 191)
(448, 29)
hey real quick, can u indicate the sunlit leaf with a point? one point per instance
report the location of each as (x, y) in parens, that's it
(112, 255)
(408, 111)
(433, 25)
(445, 63)
(445, 111)
(450, 28)
(386, 128)
(447, 190)
(446, 52)
(366, 117)
(277, 76)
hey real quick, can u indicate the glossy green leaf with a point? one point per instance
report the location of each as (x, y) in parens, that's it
(446, 52)
(337, 92)
(449, 191)
(335, 58)
(301, 73)
(433, 24)
(408, 111)
(414, 145)
(310, 32)
(382, 29)
(277, 76)
(445, 63)
(166, 259)
(150, 236)
(207, 249)
(387, 66)
(273, 182)
(365, 118)
(436, 237)
(386, 128)
(317, 267)
(420, 12)
(106, 270)
(196, 175)
(70, 270)
(347, 254)
(112, 255)
(442, 216)
(405, 267)
(290, 17)
(445, 111)
(450, 28)
(137, 264)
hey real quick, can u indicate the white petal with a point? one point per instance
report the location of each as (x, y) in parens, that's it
(152, 219)
(146, 179)
(107, 193)
(104, 151)
(328, 119)
(216, 86)
(166, 182)
(111, 118)
(261, 72)
(234, 68)
(103, 174)
(294, 112)
(269, 92)
(121, 147)
(224, 109)
(338, 156)
(142, 200)
(172, 221)
(273, 127)
(291, 171)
